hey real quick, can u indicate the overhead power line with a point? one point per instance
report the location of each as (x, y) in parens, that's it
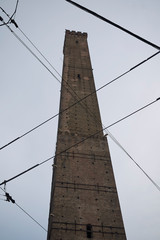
(17, 26)
(129, 115)
(25, 45)
(30, 217)
(15, 11)
(39, 51)
(41, 163)
(75, 103)
(144, 172)
(72, 90)
(11, 20)
(68, 85)
(114, 24)
(10, 199)
(79, 143)
(57, 114)
(79, 100)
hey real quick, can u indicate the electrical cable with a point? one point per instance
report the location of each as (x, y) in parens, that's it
(13, 201)
(85, 139)
(57, 114)
(31, 217)
(73, 92)
(49, 64)
(52, 65)
(144, 172)
(5, 12)
(2, 189)
(72, 89)
(53, 68)
(10, 18)
(19, 39)
(114, 24)
(64, 80)
(39, 51)
(84, 105)
(92, 135)
(58, 73)
(17, 26)
(15, 11)
(4, 23)
(129, 115)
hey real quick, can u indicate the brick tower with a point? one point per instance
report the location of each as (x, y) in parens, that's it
(84, 201)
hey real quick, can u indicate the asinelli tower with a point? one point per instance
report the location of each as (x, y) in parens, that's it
(84, 201)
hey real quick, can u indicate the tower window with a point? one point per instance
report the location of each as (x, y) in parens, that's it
(79, 76)
(89, 230)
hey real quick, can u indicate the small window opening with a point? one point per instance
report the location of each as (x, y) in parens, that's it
(89, 230)
(76, 41)
(79, 76)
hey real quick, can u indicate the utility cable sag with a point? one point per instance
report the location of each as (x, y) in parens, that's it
(41, 163)
(49, 119)
(114, 24)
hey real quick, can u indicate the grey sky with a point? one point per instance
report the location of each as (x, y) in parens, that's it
(29, 94)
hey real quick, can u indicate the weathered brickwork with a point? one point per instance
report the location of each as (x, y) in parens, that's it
(84, 201)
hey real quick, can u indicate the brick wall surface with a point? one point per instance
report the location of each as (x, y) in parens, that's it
(84, 201)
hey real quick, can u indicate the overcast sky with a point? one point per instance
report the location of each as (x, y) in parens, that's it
(29, 95)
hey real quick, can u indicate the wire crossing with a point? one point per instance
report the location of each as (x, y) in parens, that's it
(41, 163)
(12, 21)
(76, 144)
(72, 92)
(57, 114)
(79, 100)
(144, 40)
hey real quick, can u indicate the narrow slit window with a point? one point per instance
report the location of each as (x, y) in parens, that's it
(79, 76)
(89, 230)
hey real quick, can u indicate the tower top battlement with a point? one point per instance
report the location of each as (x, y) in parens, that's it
(80, 34)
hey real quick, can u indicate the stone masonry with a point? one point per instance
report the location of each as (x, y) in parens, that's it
(84, 200)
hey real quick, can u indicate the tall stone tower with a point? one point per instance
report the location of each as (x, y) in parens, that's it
(84, 201)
